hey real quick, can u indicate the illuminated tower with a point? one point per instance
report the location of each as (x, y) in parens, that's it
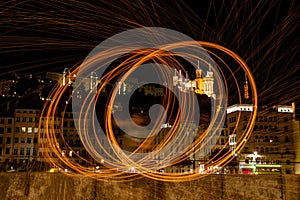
(246, 91)
(199, 81)
(175, 79)
(93, 82)
(66, 74)
(209, 83)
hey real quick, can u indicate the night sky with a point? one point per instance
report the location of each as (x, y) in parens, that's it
(41, 36)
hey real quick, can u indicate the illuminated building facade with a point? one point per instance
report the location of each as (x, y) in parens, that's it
(61, 126)
(19, 137)
(273, 140)
(55, 127)
(201, 85)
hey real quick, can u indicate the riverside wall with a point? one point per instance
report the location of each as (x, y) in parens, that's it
(57, 186)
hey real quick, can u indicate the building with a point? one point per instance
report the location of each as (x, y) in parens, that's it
(271, 147)
(6, 138)
(54, 128)
(19, 137)
(26, 134)
(5, 87)
(201, 85)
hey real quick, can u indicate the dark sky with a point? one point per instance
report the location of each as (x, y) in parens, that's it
(39, 36)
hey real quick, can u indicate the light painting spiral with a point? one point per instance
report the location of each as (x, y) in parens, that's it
(149, 55)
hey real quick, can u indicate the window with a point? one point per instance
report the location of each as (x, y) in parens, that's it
(255, 128)
(22, 151)
(22, 140)
(1, 140)
(23, 129)
(30, 119)
(35, 140)
(270, 119)
(287, 139)
(246, 149)
(18, 119)
(267, 139)
(77, 143)
(9, 130)
(24, 119)
(7, 151)
(36, 130)
(27, 151)
(34, 152)
(15, 151)
(287, 150)
(16, 140)
(65, 124)
(29, 129)
(17, 129)
(2, 121)
(28, 140)
(9, 121)
(286, 128)
(83, 153)
(1, 130)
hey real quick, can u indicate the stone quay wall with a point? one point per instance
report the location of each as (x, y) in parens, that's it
(58, 186)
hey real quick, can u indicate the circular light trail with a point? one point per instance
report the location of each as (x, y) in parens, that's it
(103, 147)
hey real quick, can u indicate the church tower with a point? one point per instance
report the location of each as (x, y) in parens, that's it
(199, 89)
(209, 83)
(246, 90)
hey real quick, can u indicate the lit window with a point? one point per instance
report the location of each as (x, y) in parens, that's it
(36, 130)
(23, 129)
(29, 129)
